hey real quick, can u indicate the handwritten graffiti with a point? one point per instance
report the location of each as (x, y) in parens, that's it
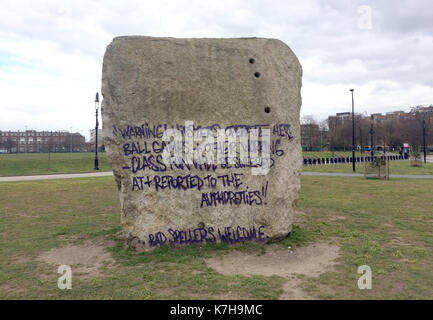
(188, 145)
(208, 161)
(148, 131)
(229, 235)
(255, 197)
(185, 182)
(208, 199)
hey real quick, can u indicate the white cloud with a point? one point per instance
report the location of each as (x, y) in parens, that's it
(45, 88)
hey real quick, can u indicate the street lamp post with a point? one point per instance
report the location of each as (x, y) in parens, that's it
(70, 146)
(96, 131)
(353, 133)
(371, 136)
(423, 139)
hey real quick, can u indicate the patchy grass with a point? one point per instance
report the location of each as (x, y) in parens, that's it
(38, 216)
(396, 167)
(385, 224)
(37, 163)
(297, 237)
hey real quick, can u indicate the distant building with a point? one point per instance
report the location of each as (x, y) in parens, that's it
(402, 115)
(93, 136)
(390, 129)
(310, 136)
(324, 139)
(340, 118)
(40, 141)
(344, 115)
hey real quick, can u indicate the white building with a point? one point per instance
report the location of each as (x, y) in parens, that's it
(93, 137)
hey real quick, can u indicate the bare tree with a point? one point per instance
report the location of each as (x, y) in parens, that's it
(50, 146)
(310, 131)
(9, 145)
(308, 119)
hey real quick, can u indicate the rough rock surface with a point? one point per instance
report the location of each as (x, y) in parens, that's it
(149, 84)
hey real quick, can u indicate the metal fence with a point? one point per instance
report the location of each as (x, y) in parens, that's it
(341, 160)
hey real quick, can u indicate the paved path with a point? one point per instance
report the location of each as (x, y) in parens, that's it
(56, 176)
(329, 174)
(109, 173)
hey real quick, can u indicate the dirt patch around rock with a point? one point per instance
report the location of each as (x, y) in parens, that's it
(85, 259)
(310, 261)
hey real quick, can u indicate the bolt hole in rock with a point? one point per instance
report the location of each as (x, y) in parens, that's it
(257, 74)
(267, 110)
(252, 60)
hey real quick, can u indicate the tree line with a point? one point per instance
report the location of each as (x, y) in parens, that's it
(388, 131)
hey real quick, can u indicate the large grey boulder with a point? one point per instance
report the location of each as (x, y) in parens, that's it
(152, 84)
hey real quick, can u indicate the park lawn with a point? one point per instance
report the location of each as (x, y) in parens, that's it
(396, 167)
(37, 163)
(37, 216)
(384, 224)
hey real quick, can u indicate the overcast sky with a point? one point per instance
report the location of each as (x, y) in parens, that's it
(51, 51)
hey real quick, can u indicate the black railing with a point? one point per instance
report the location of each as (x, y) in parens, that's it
(341, 159)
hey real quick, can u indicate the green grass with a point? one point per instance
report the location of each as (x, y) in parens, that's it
(37, 163)
(396, 167)
(385, 224)
(37, 216)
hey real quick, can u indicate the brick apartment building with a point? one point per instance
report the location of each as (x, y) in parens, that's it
(389, 116)
(313, 138)
(40, 141)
